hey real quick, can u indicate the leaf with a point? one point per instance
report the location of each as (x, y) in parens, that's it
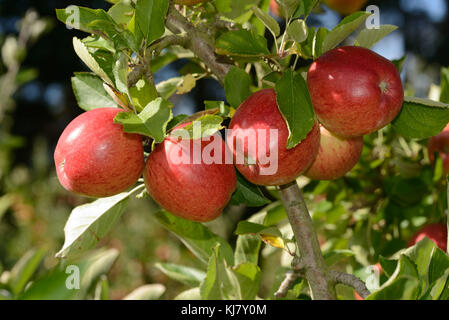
(224, 110)
(88, 59)
(336, 256)
(297, 31)
(399, 63)
(151, 122)
(121, 73)
(248, 276)
(89, 223)
(269, 235)
(142, 93)
(188, 83)
(267, 20)
(248, 194)
(369, 37)
(78, 17)
(444, 95)
(421, 118)
(195, 236)
(202, 127)
(294, 102)
(168, 88)
(147, 292)
(347, 26)
(121, 13)
(404, 284)
(288, 7)
(90, 93)
(189, 276)
(150, 17)
(53, 285)
(220, 282)
(237, 86)
(242, 43)
(24, 269)
(318, 41)
(191, 294)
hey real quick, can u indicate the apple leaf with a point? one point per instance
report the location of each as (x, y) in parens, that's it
(196, 237)
(288, 7)
(220, 283)
(248, 194)
(147, 292)
(151, 121)
(223, 109)
(343, 30)
(90, 93)
(89, 60)
(121, 13)
(242, 43)
(404, 284)
(150, 17)
(120, 71)
(297, 31)
(369, 37)
(142, 93)
(267, 20)
(168, 88)
(294, 102)
(421, 118)
(320, 35)
(305, 7)
(79, 18)
(248, 276)
(89, 223)
(204, 126)
(189, 276)
(53, 285)
(237, 86)
(190, 294)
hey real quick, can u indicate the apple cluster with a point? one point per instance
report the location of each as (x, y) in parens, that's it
(354, 91)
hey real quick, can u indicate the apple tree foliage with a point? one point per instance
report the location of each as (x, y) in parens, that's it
(362, 218)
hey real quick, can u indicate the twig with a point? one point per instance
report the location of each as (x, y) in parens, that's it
(320, 283)
(290, 278)
(352, 281)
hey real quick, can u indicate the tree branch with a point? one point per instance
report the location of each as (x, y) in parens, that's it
(315, 271)
(352, 281)
(290, 278)
(199, 42)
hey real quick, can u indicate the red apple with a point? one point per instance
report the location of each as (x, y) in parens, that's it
(437, 232)
(196, 191)
(257, 116)
(440, 144)
(275, 9)
(354, 91)
(345, 7)
(336, 156)
(189, 2)
(95, 157)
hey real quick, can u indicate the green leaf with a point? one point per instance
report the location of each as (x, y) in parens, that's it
(191, 294)
(150, 17)
(176, 121)
(220, 282)
(294, 102)
(267, 20)
(53, 285)
(147, 292)
(248, 194)
(195, 236)
(399, 63)
(369, 37)
(202, 127)
(297, 31)
(318, 41)
(121, 13)
(120, 71)
(89, 60)
(343, 30)
(90, 93)
(248, 276)
(288, 7)
(142, 93)
(404, 284)
(80, 17)
(168, 88)
(224, 110)
(246, 227)
(336, 256)
(151, 122)
(89, 223)
(24, 269)
(237, 86)
(421, 118)
(242, 43)
(189, 276)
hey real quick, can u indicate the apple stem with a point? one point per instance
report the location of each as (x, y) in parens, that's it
(320, 281)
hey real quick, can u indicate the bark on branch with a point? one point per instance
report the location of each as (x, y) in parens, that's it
(352, 281)
(315, 271)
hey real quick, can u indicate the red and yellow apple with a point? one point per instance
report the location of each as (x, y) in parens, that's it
(440, 144)
(275, 9)
(336, 156)
(255, 123)
(345, 7)
(437, 232)
(95, 157)
(354, 91)
(196, 190)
